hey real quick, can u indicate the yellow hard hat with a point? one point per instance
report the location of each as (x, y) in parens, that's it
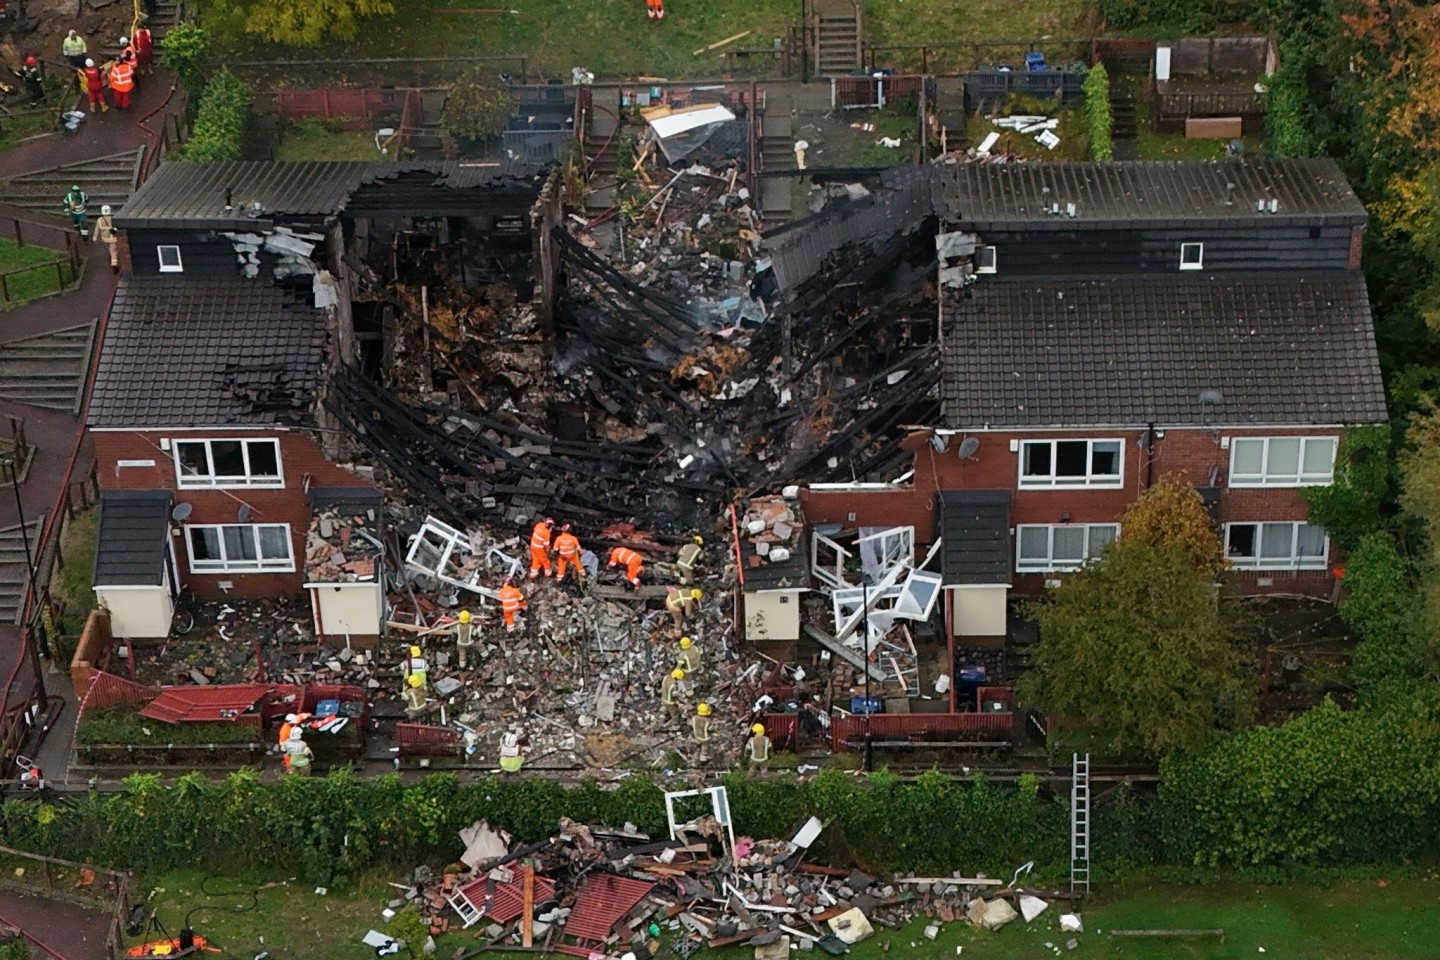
(697, 594)
(758, 729)
(685, 643)
(699, 541)
(414, 651)
(414, 680)
(464, 616)
(703, 709)
(677, 674)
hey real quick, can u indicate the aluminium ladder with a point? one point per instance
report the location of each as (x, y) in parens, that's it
(1079, 822)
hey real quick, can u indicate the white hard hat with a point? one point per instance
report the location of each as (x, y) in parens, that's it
(105, 209)
(289, 717)
(124, 40)
(89, 63)
(295, 734)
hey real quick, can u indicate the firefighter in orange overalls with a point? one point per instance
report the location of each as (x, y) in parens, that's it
(631, 561)
(122, 81)
(512, 601)
(567, 553)
(656, 9)
(540, 547)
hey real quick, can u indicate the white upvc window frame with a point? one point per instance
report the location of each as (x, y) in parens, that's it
(211, 480)
(1293, 562)
(178, 266)
(1267, 478)
(1090, 481)
(994, 266)
(240, 565)
(1199, 261)
(1052, 565)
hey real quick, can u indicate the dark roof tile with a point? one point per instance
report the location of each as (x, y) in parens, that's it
(1281, 349)
(132, 538)
(975, 525)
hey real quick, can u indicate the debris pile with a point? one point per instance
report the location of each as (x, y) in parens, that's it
(342, 547)
(599, 890)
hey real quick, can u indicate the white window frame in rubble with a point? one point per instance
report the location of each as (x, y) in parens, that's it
(891, 546)
(445, 543)
(831, 576)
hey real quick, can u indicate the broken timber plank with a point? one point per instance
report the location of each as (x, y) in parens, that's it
(845, 653)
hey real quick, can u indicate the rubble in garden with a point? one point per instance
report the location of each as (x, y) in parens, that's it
(598, 890)
(343, 546)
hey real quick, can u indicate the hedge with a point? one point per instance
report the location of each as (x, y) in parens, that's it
(219, 130)
(1097, 113)
(331, 828)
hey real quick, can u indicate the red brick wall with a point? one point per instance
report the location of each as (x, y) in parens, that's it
(300, 457)
(1195, 455)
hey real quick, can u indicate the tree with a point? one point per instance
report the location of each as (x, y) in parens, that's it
(477, 106)
(182, 50)
(1138, 643)
(301, 23)
(1171, 513)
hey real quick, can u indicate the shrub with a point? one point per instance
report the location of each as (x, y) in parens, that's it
(1097, 112)
(1381, 606)
(1289, 117)
(1354, 505)
(123, 725)
(219, 132)
(477, 106)
(183, 51)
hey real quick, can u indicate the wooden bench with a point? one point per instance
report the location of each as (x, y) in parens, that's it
(1219, 933)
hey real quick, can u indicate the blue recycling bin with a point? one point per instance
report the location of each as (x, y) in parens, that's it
(969, 678)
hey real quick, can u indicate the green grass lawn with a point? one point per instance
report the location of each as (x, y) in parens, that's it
(35, 274)
(1346, 920)
(72, 585)
(313, 140)
(613, 38)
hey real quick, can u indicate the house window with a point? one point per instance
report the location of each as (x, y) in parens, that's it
(985, 260)
(1192, 256)
(240, 548)
(1071, 463)
(1276, 546)
(1054, 548)
(1282, 461)
(228, 463)
(170, 260)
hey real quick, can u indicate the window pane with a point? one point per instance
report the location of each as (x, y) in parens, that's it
(1101, 537)
(1247, 457)
(1276, 540)
(1319, 457)
(1070, 458)
(205, 543)
(228, 459)
(1242, 540)
(1034, 543)
(1037, 460)
(274, 542)
(192, 459)
(239, 543)
(264, 458)
(1105, 458)
(1284, 459)
(1310, 541)
(1069, 544)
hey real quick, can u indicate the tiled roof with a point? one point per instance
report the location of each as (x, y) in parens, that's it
(199, 703)
(1278, 348)
(200, 353)
(132, 539)
(507, 900)
(975, 525)
(991, 194)
(784, 529)
(192, 194)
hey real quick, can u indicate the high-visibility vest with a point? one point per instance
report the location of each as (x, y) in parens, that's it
(624, 556)
(701, 727)
(567, 545)
(72, 46)
(677, 600)
(122, 77)
(667, 689)
(511, 599)
(759, 747)
(540, 536)
(144, 40)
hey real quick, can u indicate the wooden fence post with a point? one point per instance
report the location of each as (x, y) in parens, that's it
(19, 236)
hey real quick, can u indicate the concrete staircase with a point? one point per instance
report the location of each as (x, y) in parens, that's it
(838, 35)
(1123, 125)
(167, 14)
(47, 370)
(777, 152)
(108, 179)
(14, 573)
(603, 159)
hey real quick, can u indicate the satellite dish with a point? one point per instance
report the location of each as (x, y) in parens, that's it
(938, 442)
(968, 446)
(243, 514)
(181, 513)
